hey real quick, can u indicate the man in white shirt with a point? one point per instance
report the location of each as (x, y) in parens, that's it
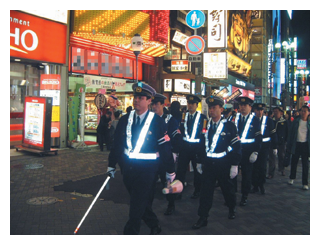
(299, 145)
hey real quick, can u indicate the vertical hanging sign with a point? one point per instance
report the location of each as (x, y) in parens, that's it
(217, 28)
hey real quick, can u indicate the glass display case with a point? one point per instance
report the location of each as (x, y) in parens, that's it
(91, 116)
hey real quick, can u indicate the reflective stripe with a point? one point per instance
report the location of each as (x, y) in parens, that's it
(214, 138)
(147, 156)
(245, 131)
(136, 152)
(266, 139)
(167, 119)
(247, 140)
(216, 155)
(263, 124)
(195, 126)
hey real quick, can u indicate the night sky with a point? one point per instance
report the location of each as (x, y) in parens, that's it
(301, 29)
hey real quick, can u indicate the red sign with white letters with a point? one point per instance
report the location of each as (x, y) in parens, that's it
(35, 38)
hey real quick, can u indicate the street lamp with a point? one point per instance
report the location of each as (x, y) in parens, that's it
(137, 46)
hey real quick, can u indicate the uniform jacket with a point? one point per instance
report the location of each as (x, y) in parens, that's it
(173, 132)
(228, 141)
(156, 140)
(185, 129)
(292, 139)
(254, 132)
(282, 130)
(268, 131)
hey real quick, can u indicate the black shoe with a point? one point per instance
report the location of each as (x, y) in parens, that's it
(195, 195)
(254, 189)
(169, 210)
(243, 201)
(155, 230)
(200, 223)
(232, 213)
(262, 190)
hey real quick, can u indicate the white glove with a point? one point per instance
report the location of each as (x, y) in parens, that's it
(233, 171)
(275, 152)
(253, 157)
(171, 176)
(199, 168)
(111, 171)
(175, 156)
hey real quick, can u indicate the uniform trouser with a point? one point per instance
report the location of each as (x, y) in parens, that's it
(140, 186)
(211, 173)
(260, 167)
(246, 173)
(302, 149)
(272, 159)
(189, 153)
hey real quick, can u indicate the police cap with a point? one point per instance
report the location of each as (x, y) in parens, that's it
(227, 108)
(279, 108)
(259, 106)
(193, 98)
(158, 97)
(144, 90)
(214, 100)
(242, 100)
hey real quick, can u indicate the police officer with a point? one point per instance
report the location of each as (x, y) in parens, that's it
(227, 112)
(248, 127)
(269, 140)
(175, 139)
(192, 141)
(282, 130)
(222, 155)
(141, 140)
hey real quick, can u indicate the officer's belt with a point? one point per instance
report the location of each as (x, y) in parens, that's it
(266, 139)
(216, 155)
(247, 140)
(191, 140)
(145, 156)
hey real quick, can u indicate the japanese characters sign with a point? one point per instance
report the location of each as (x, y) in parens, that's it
(217, 28)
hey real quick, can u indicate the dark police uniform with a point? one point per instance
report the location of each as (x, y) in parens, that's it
(222, 150)
(282, 131)
(192, 145)
(250, 135)
(175, 141)
(269, 141)
(141, 149)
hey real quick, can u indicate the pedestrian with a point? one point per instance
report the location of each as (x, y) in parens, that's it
(192, 143)
(128, 109)
(220, 162)
(103, 130)
(175, 110)
(140, 143)
(299, 146)
(269, 141)
(296, 114)
(281, 126)
(248, 127)
(175, 140)
(113, 126)
(227, 112)
(289, 118)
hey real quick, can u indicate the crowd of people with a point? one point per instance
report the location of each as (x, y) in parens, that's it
(153, 142)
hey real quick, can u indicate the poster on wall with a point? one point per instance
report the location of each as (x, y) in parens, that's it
(37, 122)
(167, 85)
(182, 85)
(215, 65)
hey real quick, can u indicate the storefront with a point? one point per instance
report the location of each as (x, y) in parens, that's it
(38, 68)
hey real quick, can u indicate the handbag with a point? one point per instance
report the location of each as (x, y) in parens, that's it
(287, 159)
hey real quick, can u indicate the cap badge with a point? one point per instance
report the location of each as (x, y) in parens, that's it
(190, 98)
(243, 100)
(211, 100)
(138, 89)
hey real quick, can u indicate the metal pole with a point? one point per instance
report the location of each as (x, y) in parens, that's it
(137, 54)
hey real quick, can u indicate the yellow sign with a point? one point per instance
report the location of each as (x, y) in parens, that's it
(55, 113)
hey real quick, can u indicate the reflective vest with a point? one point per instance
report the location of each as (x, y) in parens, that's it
(246, 128)
(195, 126)
(135, 154)
(263, 126)
(210, 152)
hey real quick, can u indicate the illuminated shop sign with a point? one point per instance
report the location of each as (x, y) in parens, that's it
(29, 40)
(104, 82)
(167, 85)
(182, 85)
(180, 38)
(56, 15)
(301, 64)
(215, 65)
(179, 65)
(237, 65)
(217, 28)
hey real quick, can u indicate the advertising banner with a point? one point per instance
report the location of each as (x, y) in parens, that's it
(215, 65)
(73, 105)
(104, 82)
(217, 28)
(30, 40)
(182, 86)
(37, 122)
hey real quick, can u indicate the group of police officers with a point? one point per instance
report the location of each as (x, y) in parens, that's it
(149, 143)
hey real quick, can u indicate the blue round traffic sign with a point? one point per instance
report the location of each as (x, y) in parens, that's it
(195, 19)
(194, 45)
